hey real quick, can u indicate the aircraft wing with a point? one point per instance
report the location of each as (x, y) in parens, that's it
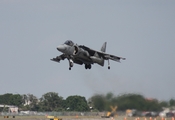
(112, 57)
(58, 58)
(102, 54)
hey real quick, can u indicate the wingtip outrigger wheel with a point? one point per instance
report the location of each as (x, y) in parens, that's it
(123, 58)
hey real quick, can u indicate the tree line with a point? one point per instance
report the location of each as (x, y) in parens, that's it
(51, 101)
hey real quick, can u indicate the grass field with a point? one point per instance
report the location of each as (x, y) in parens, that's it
(80, 118)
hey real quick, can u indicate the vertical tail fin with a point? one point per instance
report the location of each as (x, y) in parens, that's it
(103, 48)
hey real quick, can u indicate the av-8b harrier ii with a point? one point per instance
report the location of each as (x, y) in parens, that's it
(81, 54)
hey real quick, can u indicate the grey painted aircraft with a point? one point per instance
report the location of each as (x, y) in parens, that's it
(81, 54)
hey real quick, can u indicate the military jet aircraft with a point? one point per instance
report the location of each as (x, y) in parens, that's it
(81, 54)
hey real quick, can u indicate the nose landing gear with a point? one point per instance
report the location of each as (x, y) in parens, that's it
(71, 63)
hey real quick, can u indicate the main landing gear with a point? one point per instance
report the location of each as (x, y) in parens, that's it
(87, 66)
(108, 65)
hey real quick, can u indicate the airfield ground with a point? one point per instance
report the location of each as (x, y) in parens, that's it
(79, 118)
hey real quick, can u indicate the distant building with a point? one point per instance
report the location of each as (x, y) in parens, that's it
(12, 108)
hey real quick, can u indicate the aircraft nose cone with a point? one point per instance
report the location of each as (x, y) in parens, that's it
(61, 48)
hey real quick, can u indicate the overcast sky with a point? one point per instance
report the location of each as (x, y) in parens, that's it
(142, 31)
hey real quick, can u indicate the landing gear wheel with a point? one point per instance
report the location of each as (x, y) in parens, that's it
(90, 66)
(87, 66)
(108, 65)
(71, 63)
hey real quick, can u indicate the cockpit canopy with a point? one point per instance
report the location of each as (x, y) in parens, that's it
(69, 42)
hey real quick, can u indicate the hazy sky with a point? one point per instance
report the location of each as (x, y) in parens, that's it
(142, 31)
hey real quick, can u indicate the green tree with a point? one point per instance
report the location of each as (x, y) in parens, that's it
(33, 102)
(153, 105)
(163, 104)
(76, 103)
(130, 101)
(172, 102)
(50, 102)
(98, 102)
(125, 101)
(16, 100)
(5, 99)
(24, 99)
